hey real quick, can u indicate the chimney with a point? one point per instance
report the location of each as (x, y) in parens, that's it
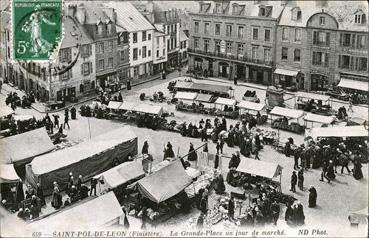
(284, 2)
(72, 8)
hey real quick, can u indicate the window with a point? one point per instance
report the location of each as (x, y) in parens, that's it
(267, 54)
(196, 43)
(109, 26)
(206, 45)
(144, 36)
(101, 64)
(196, 27)
(322, 21)
(235, 9)
(345, 39)
(254, 52)
(217, 29)
(285, 34)
(100, 29)
(344, 61)
(229, 47)
(175, 28)
(135, 54)
(240, 32)
(149, 36)
(266, 35)
(362, 64)
(135, 71)
(163, 52)
(144, 52)
(321, 38)
(100, 48)
(110, 46)
(229, 30)
(360, 41)
(255, 33)
(296, 14)
(320, 59)
(134, 37)
(217, 46)
(85, 51)
(297, 35)
(240, 49)
(218, 8)
(121, 56)
(359, 18)
(206, 28)
(86, 68)
(296, 55)
(149, 53)
(284, 53)
(168, 28)
(157, 54)
(110, 63)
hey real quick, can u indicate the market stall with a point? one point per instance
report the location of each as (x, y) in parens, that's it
(186, 101)
(97, 213)
(249, 109)
(359, 217)
(88, 158)
(8, 180)
(22, 148)
(314, 103)
(119, 175)
(354, 85)
(164, 190)
(226, 107)
(340, 132)
(113, 107)
(149, 109)
(214, 89)
(311, 118)
(286, 114)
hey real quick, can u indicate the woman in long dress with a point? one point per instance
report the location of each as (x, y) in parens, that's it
(358, 174)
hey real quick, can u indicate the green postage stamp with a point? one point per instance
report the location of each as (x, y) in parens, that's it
(37, 28)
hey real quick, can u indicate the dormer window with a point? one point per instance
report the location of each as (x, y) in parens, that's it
(296, 14)
(262, 11)
(265, 11)
(235, 9)
(218, 8)
(322, 21)
(359, 17)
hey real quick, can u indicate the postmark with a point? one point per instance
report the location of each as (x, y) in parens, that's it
(37, 28)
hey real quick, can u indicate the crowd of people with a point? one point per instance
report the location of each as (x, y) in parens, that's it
(14, 101)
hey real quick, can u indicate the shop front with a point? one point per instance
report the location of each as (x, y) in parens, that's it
(289, 79)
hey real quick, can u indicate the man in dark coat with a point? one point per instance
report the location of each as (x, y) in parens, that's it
(330, 171)
(312, 197)
(192, 155)
(275, 209)
(293, 181)
(145, 148)
(234, 162)
(231, 207)
(219, 185)
(344, 159)
(40, 194)
(296, 157)
(300, 178)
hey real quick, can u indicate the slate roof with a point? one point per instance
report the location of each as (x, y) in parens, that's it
(342, 11)
(95, 12)
(73, 34)
(129, 17)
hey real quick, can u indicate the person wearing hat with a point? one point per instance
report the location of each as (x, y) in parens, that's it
(312, 197)
(330, 171)
(324, 172)
(145, 148)
(344, 160)
(293, 181)
(296, 156)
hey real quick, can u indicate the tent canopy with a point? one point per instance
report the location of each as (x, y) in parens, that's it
(185, 96)
(290, 113)
(164, 183)
(319, 118)
(226, 101)
(61, 158)
(286, 72)
(183, 85)
(313, 96)
(210, 87)
(204, 97)
(96, 213)
(121, 174)
(259, 168)
(251, 106)
(22, 117)
(8, 174)
(5, 111)
(149, 108)
(127, 106)
(114, 105)
(20, 148)
(354, 84)
(343, 131)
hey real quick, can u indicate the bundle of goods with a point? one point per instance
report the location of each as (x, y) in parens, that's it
(282, 198)
(268, 136)
(204, 180)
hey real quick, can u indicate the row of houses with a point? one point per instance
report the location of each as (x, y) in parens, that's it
(104, 45)
(306, 45)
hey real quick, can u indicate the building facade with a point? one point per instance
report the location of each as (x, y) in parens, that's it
(321, 42)
(183, 46)
(235, 39)
(160, 55)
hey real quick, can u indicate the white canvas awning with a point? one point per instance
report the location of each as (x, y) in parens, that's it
(185, 96)
(149, 108)
(5, 111)
(226, 101)
(313, 96)
(121, 174)
(290, 113)
(22, 117)
(127, 106)
(251, 106)
(183, 85)
(8, 174)
(204, 97)
(114, 105)
(99, 212)
(259, 168)
(286, 72)
(342, 131)
(354, 84)
(319, 118)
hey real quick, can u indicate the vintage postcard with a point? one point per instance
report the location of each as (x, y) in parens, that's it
(153, 118)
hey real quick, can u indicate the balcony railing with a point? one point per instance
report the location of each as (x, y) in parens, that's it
(228, 56)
